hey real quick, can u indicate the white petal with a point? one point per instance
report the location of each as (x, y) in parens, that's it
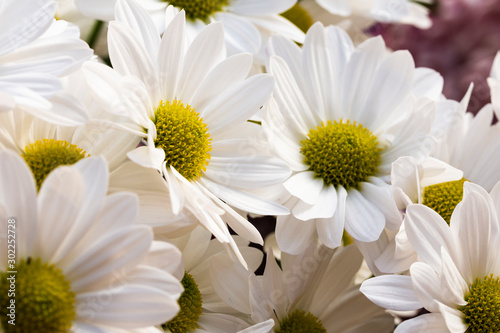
(147, 157)
(290, 99)
(150, 187)
(240, 34)
(220, 322)
(238, 104)
(358, 75)
(230, 282)
(60, 202)
(156, 278)
(453, 318)
(394, 292)
(289, 51)
(246, 172)
(95, 175)
(103, 82)
(427, 232)
(294, 235)
(221, 77)
(129, 57)
(128, 306)
(391, 87)
(170, 55)
(475, 232)
(273, 285)
(138, 20)
(427, 285)
(239, 224)
(245, 201)
(203, 54)
(175, 190)
(495, 196)
(330, 231)
(18, 197)
(305, 186)
(341, 8)
(278, 25)
(363, 220)
(429, 323)
(66, 110)
(319, 75)
(262, 327)
(453, 284)
(382, 196)
(121, 250)
(35, 21)
(324, 207)
(427, 83)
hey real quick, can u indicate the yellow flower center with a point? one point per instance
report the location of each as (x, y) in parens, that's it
(45, 155)
(44, 302)
(184, 137)
(200, 9)
(190, 303)
(300, 322)
(444, 197)
(482, 312)
(341, 153)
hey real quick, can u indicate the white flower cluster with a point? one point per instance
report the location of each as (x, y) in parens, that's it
(129, 166)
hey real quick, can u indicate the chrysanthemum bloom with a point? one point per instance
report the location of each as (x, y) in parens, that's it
(82, 263)
(461, 45)
(311, 292)
(202, 310)
(340, 117)
(45, 146)
(35, 51)
(402, 11)
(191, 109)
(247, 23)
(458, 278)
(465, 150)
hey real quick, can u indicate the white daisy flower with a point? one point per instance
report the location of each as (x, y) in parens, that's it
(202, 310)
(340, 117)
(80, 259)
(191, 108)
(35, 51)
(465, 146)
(311, 292)
(45, 146)
(458, 278)
(401, 11)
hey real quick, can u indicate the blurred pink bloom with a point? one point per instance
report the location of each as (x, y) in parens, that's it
(461, 45)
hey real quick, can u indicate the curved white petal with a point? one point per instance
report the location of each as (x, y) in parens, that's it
(294, 235)
(393, 292)
(363, 220)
